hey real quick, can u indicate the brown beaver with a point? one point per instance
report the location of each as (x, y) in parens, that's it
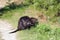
(25, 22)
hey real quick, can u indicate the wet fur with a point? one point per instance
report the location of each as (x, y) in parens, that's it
(25, 22)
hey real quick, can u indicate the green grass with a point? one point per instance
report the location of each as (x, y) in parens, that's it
(40, 32)
(13, 15)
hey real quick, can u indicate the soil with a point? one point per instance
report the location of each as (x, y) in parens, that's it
(5, 28)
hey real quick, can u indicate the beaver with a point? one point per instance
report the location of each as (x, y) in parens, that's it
(25, 22)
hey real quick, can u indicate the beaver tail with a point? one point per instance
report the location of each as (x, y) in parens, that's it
(14, 31)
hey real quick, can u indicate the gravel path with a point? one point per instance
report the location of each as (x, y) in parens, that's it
(5, 28)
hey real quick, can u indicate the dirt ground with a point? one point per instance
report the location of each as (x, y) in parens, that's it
(5, 28)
